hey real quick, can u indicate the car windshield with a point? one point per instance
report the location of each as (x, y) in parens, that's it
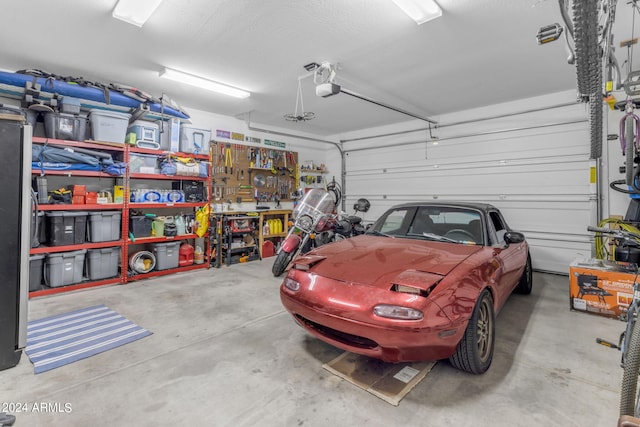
(438, 223)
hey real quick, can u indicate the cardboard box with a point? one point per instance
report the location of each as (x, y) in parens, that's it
(601, 287)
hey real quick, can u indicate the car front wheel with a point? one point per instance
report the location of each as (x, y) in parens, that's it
(475, 350)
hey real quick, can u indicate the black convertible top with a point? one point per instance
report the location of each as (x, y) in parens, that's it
(484, 207)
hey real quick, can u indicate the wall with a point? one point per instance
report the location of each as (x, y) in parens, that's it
(306, 149)
(534, 166)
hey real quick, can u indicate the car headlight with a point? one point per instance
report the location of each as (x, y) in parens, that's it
(305, 222)
(397, 312)
(291, 284)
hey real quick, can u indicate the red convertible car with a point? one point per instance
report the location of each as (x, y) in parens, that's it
(424, 283)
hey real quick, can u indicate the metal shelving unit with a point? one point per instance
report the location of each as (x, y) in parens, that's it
(125, 241)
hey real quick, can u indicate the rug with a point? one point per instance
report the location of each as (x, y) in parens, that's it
(388, 381)
(66, 338)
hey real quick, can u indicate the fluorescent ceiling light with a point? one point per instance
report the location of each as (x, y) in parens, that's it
(203, 83)
(135, 12)
(420, 11)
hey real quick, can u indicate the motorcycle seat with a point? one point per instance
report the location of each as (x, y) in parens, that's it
(354, 219)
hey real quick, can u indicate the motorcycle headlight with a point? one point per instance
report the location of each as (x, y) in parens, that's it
(397, 312)
(305, 222)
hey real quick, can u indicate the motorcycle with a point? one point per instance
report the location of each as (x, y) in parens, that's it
(313, 215)
(344, 225)
(316, 224)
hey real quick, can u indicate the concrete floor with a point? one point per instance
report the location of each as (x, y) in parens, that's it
(224, 353)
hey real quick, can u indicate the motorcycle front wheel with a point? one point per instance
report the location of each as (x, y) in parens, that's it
(282, 260)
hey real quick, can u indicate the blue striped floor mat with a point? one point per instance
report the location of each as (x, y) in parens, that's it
(66, 338)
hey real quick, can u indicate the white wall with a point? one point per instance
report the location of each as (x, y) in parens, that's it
(535, 167)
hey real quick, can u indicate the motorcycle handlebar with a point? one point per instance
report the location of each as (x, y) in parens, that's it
(602, 230)
(618, 232)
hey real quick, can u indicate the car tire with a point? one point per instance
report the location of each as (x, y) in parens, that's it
(525, 284)
(475, 350)
(282, 261)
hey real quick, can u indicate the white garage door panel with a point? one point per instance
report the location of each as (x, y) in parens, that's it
(539, 176)
(556, 255)
(547, 218)
(474, 183)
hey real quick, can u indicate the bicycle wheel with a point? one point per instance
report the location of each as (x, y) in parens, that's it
(630, 151)
(585, 33)
(595, 123)
(629, 389)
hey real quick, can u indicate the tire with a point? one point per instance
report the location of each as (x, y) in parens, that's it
(282, 261)
(525, 284)
(475, 350)
(585, 33)
(629, 389)
(630, 151)
(595, 123)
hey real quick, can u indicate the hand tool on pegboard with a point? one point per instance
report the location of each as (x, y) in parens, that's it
(228, 160)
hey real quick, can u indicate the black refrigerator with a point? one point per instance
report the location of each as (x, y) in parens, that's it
(15, 237)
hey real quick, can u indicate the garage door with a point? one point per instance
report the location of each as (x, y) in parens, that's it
(533, 166)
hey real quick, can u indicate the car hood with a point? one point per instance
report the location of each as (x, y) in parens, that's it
(371, 259)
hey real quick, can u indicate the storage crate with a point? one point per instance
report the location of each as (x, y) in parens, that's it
(194, 191)
(65, 126)
(143, 163)
(39, 236)
(194, 140)
(66, 227)
(70, 105)
(102, 263)
(140, 225)
(104, 226)
(65, 268)
(167, 255)
(36, 263)
(109, 126)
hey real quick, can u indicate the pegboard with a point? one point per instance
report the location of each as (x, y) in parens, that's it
(243, 173)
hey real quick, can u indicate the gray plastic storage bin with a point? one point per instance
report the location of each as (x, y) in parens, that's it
(109, 126)
(104, 226)
(65, 268)
(66, 227)
(70, 105)
(167, 255)
(194, 140)
(40, 236)
(102, 263)
(65, 126)
(140, 225)
(35, 272)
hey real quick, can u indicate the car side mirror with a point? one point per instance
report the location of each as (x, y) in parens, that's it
(513, 237)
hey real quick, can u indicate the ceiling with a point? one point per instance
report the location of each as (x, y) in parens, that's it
(480, 52)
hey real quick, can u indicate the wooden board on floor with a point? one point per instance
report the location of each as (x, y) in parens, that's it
(388, 381)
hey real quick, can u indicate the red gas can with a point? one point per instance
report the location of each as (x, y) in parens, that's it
(185, 255)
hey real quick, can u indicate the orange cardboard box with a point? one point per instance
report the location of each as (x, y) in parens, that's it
(601, 287)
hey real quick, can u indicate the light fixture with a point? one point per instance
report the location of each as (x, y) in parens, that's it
(203, 83)
(135, 12)
(302, 116)
(420, 11)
